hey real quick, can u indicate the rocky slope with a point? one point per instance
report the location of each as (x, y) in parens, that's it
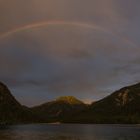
(122, 106)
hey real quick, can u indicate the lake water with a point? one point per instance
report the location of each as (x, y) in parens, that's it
(70, 132)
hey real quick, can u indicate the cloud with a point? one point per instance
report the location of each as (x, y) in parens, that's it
(57, 62)
(42, 63)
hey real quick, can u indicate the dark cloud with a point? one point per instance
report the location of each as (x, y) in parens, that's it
(43, 63)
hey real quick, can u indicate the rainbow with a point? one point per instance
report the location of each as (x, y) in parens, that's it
(68, 23)
(50, 23)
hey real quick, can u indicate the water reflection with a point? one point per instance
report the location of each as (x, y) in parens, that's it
(70, 132)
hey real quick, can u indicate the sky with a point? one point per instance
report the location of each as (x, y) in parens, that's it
(82, 48)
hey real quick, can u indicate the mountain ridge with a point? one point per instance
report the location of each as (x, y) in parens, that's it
(60, 108)
(11, 111)
(122, 106)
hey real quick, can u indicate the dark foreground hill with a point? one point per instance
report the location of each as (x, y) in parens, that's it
(11, 111)
(122, 106)
(57, 110)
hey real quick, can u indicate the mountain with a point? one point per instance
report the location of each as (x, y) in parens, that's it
(122, 106)
(11, 111)
(57, 110)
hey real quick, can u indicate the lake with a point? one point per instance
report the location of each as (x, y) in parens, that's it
(70, 132)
